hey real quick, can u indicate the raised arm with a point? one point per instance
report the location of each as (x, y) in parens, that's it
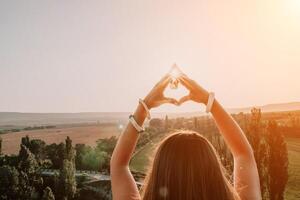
(246, 179)
(123, 184)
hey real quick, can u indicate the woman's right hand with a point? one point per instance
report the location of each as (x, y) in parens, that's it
(197, 93)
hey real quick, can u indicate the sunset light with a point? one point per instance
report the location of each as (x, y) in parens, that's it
(175, 72)
(148, 100)
(292, 8)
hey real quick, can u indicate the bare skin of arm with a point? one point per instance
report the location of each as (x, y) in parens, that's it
(246, 179)
(122, 181)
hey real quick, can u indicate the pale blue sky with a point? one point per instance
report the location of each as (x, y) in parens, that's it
(90, 56)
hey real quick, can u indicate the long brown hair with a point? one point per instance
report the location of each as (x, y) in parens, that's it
(187, 167)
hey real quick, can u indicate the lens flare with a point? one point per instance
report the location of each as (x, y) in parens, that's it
(175, 72)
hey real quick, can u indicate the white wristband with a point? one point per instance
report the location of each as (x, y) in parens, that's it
(135, 124)
(146, 108)
(210, 102)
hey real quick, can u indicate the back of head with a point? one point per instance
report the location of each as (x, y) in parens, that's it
(186, 167)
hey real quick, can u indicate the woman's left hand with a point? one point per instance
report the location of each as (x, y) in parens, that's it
(156, 96)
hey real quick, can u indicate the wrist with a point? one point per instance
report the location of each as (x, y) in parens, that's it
(146, 108)
(206, 97)
(210, 102)
(147, 102)
(140, 114)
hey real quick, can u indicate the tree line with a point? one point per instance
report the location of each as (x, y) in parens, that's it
(20, 175)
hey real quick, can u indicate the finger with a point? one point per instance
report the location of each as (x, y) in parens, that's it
(185, 81)
(169, 100)
(163, 79)
(184, 99)
(164, 82)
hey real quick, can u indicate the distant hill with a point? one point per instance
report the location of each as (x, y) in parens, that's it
(36, 119)
(15, 119)
(270, 107)
(293, 106)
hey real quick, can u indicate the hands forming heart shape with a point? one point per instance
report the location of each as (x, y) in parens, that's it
(156, 96)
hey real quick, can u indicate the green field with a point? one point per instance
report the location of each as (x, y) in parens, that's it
(141, 159)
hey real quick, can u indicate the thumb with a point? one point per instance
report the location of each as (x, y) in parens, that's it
(170, 100)
(184, 99)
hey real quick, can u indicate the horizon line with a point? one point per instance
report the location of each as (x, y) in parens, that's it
(89, 112)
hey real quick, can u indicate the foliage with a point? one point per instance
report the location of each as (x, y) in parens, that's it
(25, 141)
(98, 158)
(167, 124)
(29, 128)
(27, 161)
(9, 182)
(52, 152)
(80, 151)
(20, 178)
(94, 160)
(88, 193)
(107, 145)
(67, 179)
(293, 120)
(205, 126)
(179, 123)
(0, 146)
(37, 147)
(29, 180)
(20, 175)
(256, 134)
(11, 160)
(156, 123)
(48, 194)
(146, 137)
(277, 163)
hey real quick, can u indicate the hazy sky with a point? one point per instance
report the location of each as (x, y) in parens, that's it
(90, 56)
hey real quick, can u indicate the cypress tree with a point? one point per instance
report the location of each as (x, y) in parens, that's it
(167, 125)
(256, 134)
(9, 182)
(278, 162)
(0, 146)
(67, 172)
(28, 178)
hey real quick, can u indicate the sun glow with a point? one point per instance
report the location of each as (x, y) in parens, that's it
(292, 7)
(175, 72)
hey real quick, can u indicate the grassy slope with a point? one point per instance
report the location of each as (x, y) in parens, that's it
(142, 158)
